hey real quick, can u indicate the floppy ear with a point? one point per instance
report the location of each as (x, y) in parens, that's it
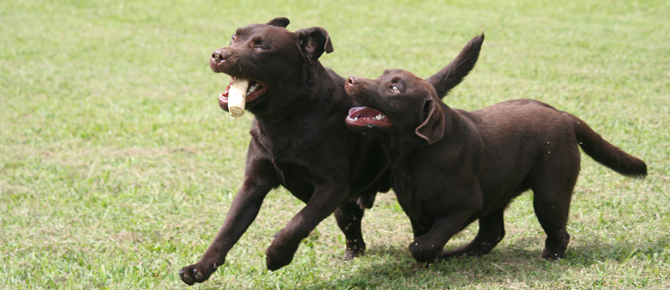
(452, 74)
(432, 128)
(313, 42)
(279, 21)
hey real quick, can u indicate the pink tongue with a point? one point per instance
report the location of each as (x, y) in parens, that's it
(363, 112)
(353, 110)
(225, 94)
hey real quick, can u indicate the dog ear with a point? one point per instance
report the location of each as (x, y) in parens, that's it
(452, 74)
(313, 42)
(279, 21)
(432, 128)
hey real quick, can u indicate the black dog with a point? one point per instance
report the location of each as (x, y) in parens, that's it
(452, 167)
(299, 140)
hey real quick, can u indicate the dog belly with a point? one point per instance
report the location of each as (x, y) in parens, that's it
(297, 180)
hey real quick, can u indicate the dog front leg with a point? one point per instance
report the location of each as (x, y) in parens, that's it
(426, 248)
(326, 198)
(258, 181)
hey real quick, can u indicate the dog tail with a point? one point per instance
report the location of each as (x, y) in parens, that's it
(452, 74)
(605, 153)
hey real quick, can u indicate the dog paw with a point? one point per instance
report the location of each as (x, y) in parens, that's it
(197, 273)
(551, 255)
(555, 250)
(355, 248)
(351, 255)
(424, 252)
(279, 255)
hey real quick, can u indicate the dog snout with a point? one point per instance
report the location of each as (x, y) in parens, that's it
(220, 55)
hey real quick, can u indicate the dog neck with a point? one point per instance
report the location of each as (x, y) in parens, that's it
(309, 93)
(317, 107)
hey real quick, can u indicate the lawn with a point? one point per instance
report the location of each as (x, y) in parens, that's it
(117, 166)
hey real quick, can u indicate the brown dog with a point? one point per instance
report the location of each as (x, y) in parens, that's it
(452, 167)
(299, 141)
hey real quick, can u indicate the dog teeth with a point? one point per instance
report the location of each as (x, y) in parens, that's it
(378, 118)
(252, 89)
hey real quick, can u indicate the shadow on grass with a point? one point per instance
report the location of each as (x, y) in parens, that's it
(506, 263)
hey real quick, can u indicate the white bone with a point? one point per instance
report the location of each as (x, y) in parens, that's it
(237, 97)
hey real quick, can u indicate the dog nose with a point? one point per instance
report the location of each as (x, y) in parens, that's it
(220, 55)
(352, 81)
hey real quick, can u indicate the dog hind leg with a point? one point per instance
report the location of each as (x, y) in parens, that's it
(349, 216)
(551, 201)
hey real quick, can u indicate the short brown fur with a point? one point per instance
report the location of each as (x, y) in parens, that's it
(451, 167)
(298, 141)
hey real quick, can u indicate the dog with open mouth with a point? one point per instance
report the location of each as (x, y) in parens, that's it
(298, 140)
(451, 167)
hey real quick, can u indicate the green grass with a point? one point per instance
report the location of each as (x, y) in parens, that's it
(117, 166)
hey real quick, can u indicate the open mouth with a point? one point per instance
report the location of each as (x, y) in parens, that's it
(254, 90)
(364, 116)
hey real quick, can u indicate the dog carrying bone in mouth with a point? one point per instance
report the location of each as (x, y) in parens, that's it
(237, 97)
(297, 141)
(238, 92)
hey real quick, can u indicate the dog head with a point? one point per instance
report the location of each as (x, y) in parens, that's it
(272, 58)
(396, 103)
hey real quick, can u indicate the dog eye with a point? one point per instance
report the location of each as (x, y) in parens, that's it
(394, 89)
(258, 47)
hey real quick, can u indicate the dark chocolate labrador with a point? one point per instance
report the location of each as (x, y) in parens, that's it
(299, 141)
(451, 167)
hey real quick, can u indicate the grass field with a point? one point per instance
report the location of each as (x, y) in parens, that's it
(117, 166)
